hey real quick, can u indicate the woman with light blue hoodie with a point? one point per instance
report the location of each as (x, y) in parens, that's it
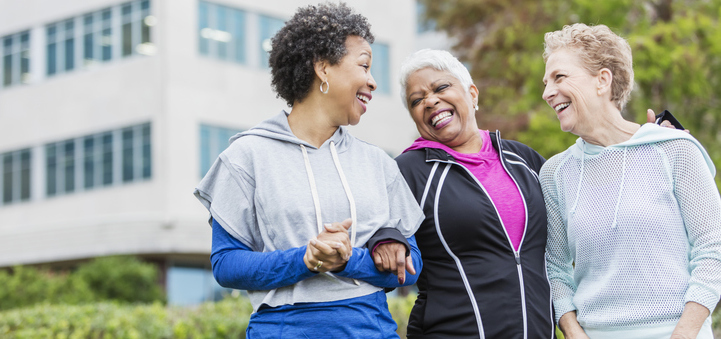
(634, 215)
(294, 200)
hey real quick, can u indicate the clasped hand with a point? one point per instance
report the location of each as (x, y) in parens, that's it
(331, 249)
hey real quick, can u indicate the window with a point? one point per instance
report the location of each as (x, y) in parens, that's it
(15, 59)
(381, 68)
(61, 47)
(268, 27)
(15, 170)
(97, 38)
(221, 32)
(97, 160)
(213, 141)
(189, 285)
(136, 23)
(89, 162)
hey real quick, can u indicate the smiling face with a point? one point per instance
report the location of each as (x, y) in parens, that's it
(351, 82)
(441, 108)
(571, 91)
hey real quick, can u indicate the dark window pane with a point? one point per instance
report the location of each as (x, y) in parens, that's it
(127, 154)
(107, 44)
(239, 36)
(51, 169)
(222, 25)
(89, 163)
(88, 46)
(203, 42)
(127, 39)
(7, 70)
(69, 54)
(107, 159)
(147, 160)
(69, 164)
(7, 178)
(25, 175)
(145, 33)
(145, 4)
(24, 65)
(52, 57)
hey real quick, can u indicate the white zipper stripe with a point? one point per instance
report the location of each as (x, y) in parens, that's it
(550, 300)
(428, 184)
(455, 258)
(535, 175)
(525, 229)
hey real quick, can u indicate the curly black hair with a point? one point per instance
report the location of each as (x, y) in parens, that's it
(314, 33)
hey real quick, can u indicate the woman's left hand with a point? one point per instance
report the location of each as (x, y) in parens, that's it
(331, 250)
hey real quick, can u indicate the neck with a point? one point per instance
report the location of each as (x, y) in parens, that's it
(470, 146)
(310, 122)
(610, 129)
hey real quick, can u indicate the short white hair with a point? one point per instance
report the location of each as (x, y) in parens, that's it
(437, 59)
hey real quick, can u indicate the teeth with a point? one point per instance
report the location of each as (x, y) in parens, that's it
(437, 119)
(560, 107)
(362, 98)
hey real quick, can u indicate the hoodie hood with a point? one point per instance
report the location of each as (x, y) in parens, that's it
(648, 133)
(277, 128)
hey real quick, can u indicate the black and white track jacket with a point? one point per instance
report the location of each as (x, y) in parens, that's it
(473, 283)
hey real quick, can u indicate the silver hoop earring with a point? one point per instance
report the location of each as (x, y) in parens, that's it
(327, 86)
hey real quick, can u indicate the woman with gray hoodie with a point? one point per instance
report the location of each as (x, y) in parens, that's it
(283, 194)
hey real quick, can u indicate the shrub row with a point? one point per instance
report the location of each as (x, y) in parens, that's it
(106, 320)
(123, 279)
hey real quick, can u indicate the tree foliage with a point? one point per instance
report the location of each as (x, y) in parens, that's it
(676, 47)
(122, 279)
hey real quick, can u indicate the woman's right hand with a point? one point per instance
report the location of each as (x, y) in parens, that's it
(330, 250)
(391, 257)
(570, 327)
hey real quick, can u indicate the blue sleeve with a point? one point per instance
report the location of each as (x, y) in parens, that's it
(361, 266)
(235, 265)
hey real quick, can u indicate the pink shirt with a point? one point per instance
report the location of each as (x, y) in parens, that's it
(486, 166)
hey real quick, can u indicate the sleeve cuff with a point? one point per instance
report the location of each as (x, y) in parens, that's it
(386, 235)
(703, 296)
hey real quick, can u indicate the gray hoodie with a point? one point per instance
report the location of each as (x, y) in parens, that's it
(273, 191)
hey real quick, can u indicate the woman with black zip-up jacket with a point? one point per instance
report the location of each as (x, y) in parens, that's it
(484, 234)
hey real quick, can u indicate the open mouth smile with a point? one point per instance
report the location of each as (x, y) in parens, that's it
(562, 106)
(441, 118)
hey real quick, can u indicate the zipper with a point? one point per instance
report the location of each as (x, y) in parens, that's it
(461, 271)
(516, 253)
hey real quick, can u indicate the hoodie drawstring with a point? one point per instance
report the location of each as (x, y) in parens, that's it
(580, 179)
(620, 190)
(314, 191)
(348, 193)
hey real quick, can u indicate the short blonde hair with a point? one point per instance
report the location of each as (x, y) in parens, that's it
(598, 47)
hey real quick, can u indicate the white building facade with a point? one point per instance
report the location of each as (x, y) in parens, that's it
(111, 111)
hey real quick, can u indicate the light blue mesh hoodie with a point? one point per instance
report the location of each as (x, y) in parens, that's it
(273, 191)
(641, 222)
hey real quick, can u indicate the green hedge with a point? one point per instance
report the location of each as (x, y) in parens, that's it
(224, 319)
(108, 320)
(123, 279)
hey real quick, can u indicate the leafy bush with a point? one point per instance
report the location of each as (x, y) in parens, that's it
(121, 278)
(225, 319)
(124, 279)
(27, 286)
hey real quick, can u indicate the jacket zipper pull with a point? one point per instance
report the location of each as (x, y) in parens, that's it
(518, 258)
